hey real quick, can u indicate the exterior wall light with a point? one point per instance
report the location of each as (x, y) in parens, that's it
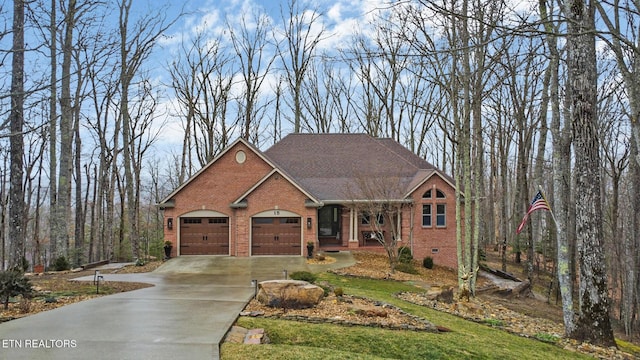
(308, 223)
(170, 223)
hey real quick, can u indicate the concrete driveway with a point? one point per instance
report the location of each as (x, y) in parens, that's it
(186, 314)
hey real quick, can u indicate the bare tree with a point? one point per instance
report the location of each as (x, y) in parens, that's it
(302, 32)
(620, 18)
(17, 211)
(379, 60)
(202, 81)
(593, 322)
(328, 97)
(380, 200)
(62, 210)
(136, 44)
(561, 172)
(53, 127)
(251, 43)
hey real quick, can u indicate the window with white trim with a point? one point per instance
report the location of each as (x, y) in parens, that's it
(426, 215)
(441, 215)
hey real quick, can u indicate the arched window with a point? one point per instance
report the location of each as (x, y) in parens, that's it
(427, 194)
(432, 210)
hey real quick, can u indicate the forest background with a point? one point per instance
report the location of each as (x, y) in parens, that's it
(107, 106)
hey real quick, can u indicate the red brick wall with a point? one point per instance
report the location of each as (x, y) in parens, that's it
(275, 196)
(426, 239)
(224, 182)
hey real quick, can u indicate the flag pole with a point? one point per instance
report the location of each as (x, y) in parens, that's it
(548, 205)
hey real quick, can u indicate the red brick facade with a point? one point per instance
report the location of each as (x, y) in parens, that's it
(241, 188)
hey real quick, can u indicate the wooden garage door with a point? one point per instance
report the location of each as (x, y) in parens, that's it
(276, 236)
(204, 236)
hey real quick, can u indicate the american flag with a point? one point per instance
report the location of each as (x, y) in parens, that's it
(538, 203)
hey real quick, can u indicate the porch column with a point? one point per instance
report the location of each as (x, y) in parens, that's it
(353, 225)
(399, 223)
(350, 224)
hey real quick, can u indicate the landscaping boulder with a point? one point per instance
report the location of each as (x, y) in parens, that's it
(289, 294)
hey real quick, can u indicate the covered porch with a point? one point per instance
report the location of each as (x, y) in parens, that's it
(346, 227)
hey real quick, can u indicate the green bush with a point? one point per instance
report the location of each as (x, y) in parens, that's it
(404, 255)
(427, 262)
(13, 283)
(304, 276)
(406, 268)
(61, 264)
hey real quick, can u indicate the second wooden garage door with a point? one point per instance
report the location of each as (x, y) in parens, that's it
(204, 236)
(276, 236)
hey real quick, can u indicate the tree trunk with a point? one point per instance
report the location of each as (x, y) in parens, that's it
(62, 212)
(53, 130)
(17, 213)
(593, 322)
(561, 176)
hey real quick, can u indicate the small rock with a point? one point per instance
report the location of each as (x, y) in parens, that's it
(236, 335)
(370, 311)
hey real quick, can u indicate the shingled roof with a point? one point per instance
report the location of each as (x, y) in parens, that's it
(328, 164)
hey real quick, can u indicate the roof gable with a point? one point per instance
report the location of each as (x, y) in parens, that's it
(167, 200)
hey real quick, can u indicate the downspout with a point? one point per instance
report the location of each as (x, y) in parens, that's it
(411, 221)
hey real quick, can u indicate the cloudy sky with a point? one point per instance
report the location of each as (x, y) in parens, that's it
(341, 20)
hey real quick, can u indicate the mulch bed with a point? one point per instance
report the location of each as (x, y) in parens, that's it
(345, 310)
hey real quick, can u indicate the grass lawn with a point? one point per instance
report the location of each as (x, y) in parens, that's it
(468, 340)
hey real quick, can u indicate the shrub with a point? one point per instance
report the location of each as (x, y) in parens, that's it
(404, 255)
(13, 283)
(61, 264)
(304, 276)
(25, 305)
(406, 268)
(427, 262)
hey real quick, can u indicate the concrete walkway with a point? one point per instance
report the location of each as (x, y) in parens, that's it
(186, 314)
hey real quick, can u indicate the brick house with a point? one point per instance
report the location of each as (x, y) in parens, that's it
(308, 188)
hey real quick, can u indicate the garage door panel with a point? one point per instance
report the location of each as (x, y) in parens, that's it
(204, 236)
(276, 236)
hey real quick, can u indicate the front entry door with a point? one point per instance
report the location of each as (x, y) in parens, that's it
(329, 224)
